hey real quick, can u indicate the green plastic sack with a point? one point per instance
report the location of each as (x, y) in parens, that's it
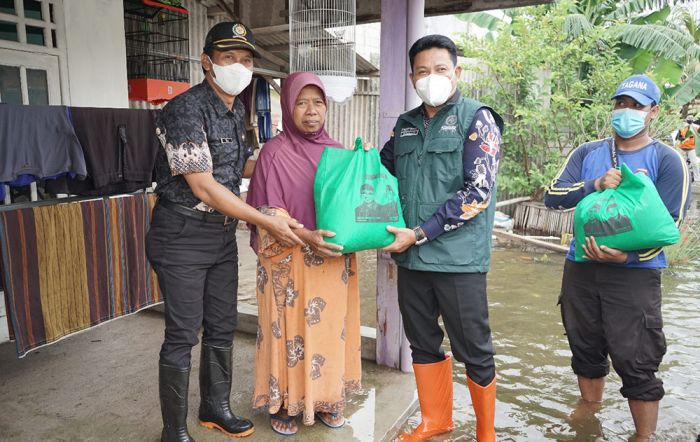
(356, 197)
(630, 217)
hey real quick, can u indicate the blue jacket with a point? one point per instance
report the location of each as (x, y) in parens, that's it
(664, 165)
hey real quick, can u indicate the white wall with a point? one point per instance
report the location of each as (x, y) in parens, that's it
(96, 53)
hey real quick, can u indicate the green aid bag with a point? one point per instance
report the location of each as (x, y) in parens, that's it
(630, 217)
(357, 198)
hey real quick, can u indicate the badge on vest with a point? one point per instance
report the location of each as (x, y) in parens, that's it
(450, 124)
(408, 132)
(226, 140)
(450, 129)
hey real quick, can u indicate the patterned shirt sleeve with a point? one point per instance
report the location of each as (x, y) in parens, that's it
(182, 135)
(480, 161)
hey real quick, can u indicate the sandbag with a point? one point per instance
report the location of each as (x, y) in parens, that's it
(629, 217)
(357, 198)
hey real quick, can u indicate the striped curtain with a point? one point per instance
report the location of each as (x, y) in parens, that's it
(70, 266)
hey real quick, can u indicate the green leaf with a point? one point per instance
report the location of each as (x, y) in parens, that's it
(628, 52)
(482, 20)
(631, 8)
(656, 17)
(641, 61)
(598, 11)
(688, 91)
(660, 40)
(668, 72)
(576, 25)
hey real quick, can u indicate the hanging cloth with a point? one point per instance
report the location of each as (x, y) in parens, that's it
(70, 266)
(37, 142)
(120, 147)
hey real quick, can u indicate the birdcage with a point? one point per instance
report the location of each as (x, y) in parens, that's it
(322, 40)
(157, 49)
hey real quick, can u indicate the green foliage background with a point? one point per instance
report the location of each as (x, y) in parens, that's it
(552, 88)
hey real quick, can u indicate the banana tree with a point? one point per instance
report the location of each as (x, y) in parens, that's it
(657, 36)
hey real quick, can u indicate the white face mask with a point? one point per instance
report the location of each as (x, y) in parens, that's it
(232, 78)
(434, 89)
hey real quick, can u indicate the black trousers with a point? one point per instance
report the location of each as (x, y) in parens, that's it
(615, 311)
(197, 267)
(460, 298)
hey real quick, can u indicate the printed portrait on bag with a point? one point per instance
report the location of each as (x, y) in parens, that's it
(371, 211)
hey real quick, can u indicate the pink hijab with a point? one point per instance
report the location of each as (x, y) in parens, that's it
(284, 172)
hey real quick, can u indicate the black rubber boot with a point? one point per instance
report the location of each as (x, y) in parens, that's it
(173, 384)
(215, 389)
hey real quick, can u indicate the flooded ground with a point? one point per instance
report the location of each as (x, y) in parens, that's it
(537, 390)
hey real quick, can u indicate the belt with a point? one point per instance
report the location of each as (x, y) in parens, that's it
(199, 215)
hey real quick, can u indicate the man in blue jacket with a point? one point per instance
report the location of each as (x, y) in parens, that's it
(611, 305)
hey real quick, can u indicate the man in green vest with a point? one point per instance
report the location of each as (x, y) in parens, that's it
(445, 155)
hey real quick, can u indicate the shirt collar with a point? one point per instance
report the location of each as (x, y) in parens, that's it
(215, 101)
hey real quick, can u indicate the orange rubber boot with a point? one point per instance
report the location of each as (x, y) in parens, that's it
(484, 403)
(434, 383)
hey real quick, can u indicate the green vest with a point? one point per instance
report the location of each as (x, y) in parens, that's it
(430, 169)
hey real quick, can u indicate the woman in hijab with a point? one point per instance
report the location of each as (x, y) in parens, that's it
(308, 344)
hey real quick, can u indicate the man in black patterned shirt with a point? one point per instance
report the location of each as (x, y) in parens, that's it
(192, 240)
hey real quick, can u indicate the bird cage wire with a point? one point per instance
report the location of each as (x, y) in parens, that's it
(157, 41)
(322, 38)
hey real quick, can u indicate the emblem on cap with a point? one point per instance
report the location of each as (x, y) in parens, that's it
(634, 85)
(239, 29)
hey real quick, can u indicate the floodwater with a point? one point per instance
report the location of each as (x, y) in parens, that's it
(537, 391)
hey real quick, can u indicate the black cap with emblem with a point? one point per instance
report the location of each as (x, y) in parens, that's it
(230, 35)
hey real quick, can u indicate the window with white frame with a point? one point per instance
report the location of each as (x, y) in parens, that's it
(29, 62)
(30, 22)
(29, 53)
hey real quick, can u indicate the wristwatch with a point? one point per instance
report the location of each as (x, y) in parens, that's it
(420, 236)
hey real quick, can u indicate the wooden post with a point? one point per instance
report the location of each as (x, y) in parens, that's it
(401, 26)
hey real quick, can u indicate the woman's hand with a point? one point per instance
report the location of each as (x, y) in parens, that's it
(358, 142)
(315, 240)
(283, 229)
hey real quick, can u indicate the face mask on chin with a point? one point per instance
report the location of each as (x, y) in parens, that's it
(232, 78)
(434, 89)
(628, 122)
